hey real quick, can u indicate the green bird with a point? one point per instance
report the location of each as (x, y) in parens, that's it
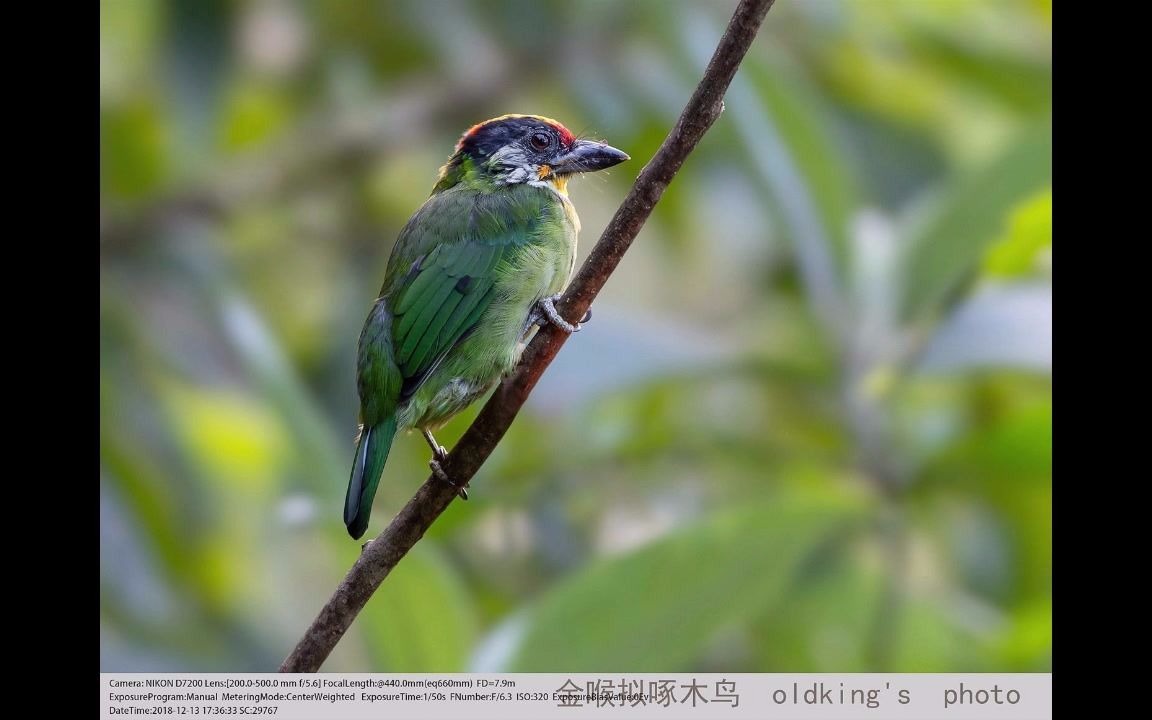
(475, 268)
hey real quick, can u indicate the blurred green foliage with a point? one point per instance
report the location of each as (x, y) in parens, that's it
(809, 428)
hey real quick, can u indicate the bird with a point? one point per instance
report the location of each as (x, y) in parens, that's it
(472, 272)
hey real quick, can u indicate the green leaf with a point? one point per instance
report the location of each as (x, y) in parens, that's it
(1022, 82)
(803, 126)
(656, 609)
(948, 247)
(134, 143)
(422, 618)
(831, 613)
(134, 478)
(933, 637)
(1029, 232)
(253, 114)
(1026, 645)
(236, 439)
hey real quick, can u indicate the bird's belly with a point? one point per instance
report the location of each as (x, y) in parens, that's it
(468, 372)
(431, 410)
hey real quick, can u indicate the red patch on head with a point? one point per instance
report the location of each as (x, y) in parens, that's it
(565, 136)
(470, 132)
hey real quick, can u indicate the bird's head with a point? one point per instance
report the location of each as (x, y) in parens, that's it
(529, 149)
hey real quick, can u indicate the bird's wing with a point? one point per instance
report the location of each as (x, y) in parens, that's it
(448, 292)
(440, 280)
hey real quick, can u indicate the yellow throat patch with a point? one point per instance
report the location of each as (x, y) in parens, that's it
(559, 182)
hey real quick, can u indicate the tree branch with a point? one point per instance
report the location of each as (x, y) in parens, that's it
(383, 553)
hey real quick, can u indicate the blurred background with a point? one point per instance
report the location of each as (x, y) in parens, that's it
(808, 428)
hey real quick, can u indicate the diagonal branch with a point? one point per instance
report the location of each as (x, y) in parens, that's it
(385, 551)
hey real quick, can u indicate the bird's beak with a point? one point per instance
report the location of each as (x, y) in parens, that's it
(587, 156)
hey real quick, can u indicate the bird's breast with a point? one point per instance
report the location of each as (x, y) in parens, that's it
(570, 214)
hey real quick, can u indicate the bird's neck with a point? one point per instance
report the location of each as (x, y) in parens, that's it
(462, 169)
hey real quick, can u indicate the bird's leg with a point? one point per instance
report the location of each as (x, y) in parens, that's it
(545, 311)
(438, 450)
(439, 454)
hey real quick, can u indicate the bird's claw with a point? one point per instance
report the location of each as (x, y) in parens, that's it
(547, 308)
(439, 455)
(439, 472)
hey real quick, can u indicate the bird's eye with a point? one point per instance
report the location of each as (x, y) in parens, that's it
(541, 141)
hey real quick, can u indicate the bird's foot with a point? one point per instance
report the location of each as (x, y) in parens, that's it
(439, 472)
(439, 455)
(545, 311)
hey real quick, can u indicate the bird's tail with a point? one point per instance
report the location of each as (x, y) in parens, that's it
(371, 454)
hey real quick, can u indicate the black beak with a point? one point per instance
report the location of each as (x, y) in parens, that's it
(587, 156)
